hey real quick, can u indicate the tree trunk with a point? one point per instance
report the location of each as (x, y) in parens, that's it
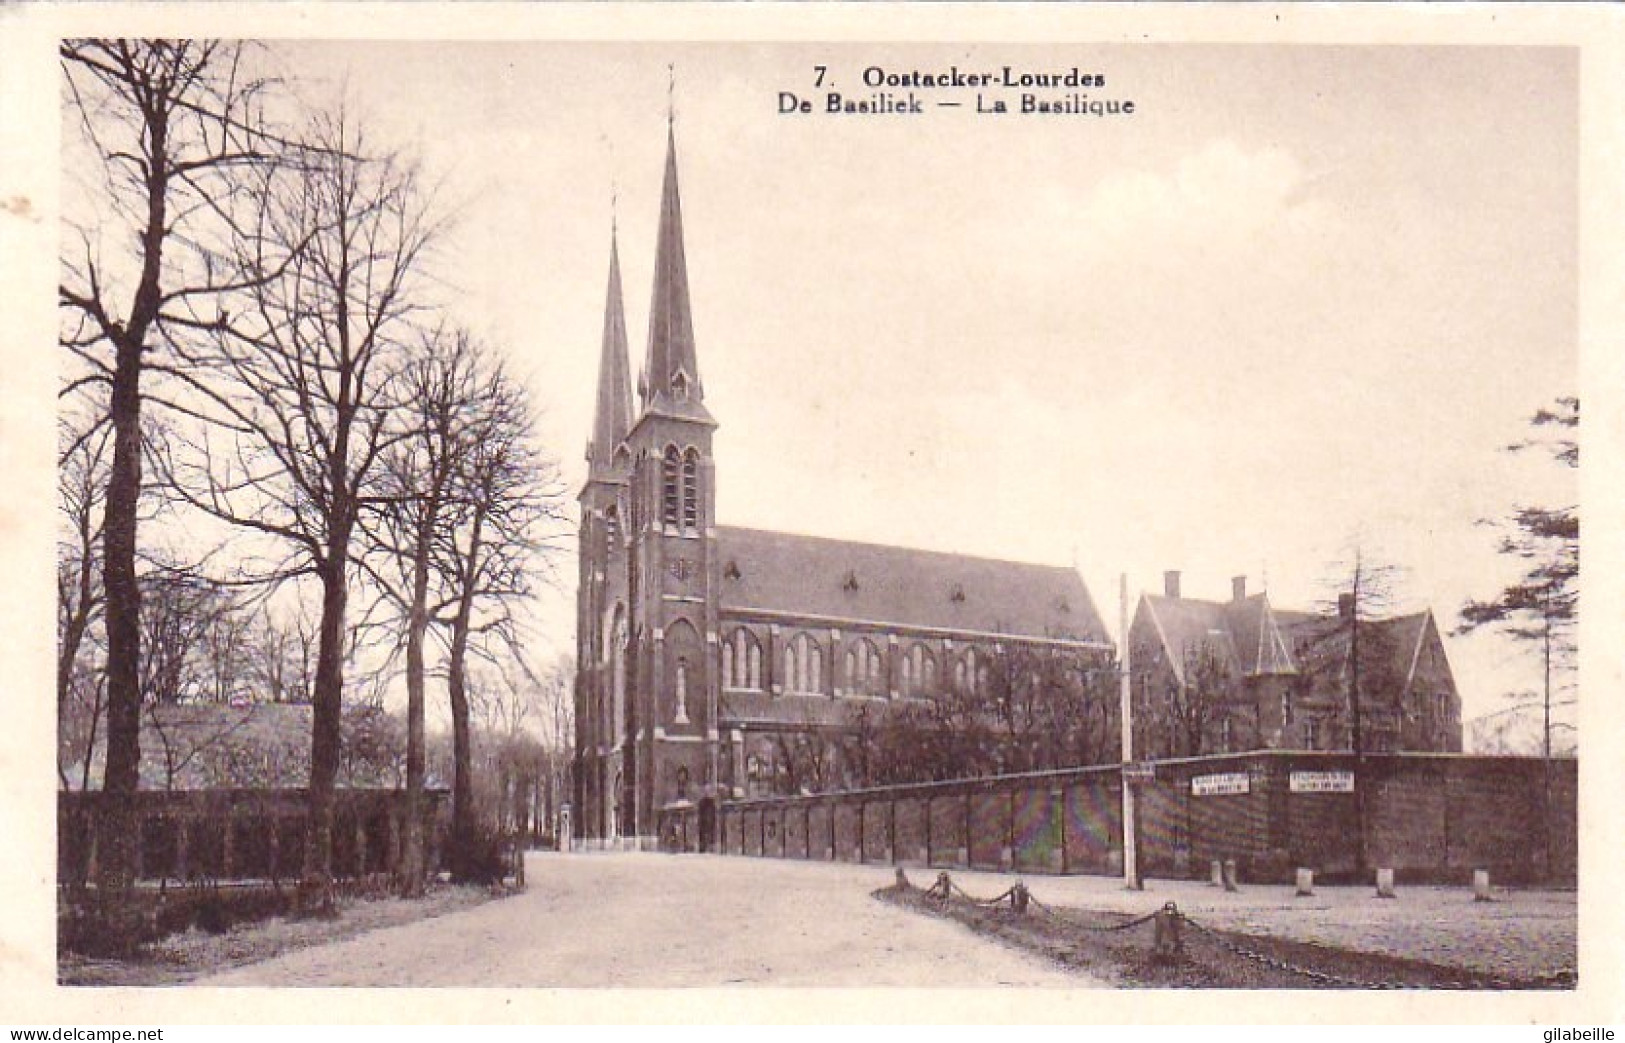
(122, 775)
(412, 861)
(116, 861)
(462, 796)
(325, 738)
(1361, 777)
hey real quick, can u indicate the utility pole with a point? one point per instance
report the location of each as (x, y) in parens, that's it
(1131, 860)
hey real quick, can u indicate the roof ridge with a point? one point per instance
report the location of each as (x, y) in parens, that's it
(895, 547)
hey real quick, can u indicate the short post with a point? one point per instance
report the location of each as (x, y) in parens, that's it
(1230, 875)
(943, 887)
(1166, 945)
(902, 880)
(1018, 898)
(1385, 882)
(1306, 883)
(1216, 871)
(1481, 886)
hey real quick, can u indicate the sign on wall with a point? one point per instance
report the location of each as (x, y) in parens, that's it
(1221, 784)
(1321, 782)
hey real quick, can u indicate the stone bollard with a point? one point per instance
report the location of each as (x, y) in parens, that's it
(943, 888)
(1166, 945)
(902, 880)
(1216, 869)
(1018, 898)
(1385, 883)
(1306, 883)
(1481, 886)
(1230, 875)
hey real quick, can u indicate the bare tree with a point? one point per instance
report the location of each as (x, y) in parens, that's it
(444, 421)
(282, 655)
(1364, 592)
(302, 385)
(182, 614)
(1193, 705)
(81, 489)
(168, 126)
(508, 507)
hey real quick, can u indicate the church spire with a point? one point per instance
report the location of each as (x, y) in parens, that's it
(670, 381)
(614, 416)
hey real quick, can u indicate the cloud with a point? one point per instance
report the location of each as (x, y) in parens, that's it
(1222, 194)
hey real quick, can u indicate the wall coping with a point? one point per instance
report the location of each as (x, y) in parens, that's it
(1063, 775)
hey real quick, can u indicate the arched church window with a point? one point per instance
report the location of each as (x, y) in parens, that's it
(863, 670)
(682, 783)
(615, 710)
(742, 660)
(918, 668)
(670, 476)
(803, 665)
(691, 491)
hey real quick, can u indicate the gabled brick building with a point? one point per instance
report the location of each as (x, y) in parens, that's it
(701, 646)
(1226, 676)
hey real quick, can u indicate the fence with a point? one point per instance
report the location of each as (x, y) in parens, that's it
(1168, 936)
(243, 834)
(1430, 817)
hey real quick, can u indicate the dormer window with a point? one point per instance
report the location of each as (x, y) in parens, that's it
(957, 594)
(731, 570)
(679, 386)
(850, 583)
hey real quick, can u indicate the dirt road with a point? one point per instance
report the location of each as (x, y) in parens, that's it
(650, 920)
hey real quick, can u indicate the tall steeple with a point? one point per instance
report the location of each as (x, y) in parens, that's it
(670, 381)
(614, 415)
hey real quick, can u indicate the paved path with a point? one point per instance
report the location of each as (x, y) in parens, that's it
(650, 920)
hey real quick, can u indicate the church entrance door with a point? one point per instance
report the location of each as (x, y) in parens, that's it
(708, 824)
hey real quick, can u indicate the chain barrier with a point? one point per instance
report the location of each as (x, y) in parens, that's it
(1168, 944)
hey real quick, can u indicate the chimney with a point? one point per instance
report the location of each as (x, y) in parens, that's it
(1345, 606)
(1170, 583)
(1238, 588)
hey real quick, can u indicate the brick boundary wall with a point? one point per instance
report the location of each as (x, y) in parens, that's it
(1433, 818)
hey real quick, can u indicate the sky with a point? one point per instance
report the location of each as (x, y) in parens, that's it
(1298, 300)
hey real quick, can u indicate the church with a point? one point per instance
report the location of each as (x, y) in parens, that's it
(702, 648)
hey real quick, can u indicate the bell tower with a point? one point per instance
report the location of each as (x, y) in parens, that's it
(602, 604)
(673, 574)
